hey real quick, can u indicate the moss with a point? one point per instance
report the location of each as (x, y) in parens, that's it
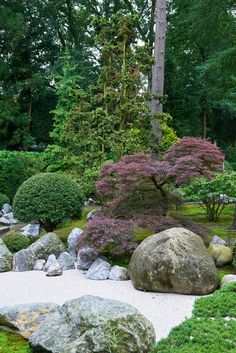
(13, 343)
(141, 234)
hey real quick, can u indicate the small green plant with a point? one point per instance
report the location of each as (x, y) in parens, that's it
(13, 343)
(3, 199)
(50, 199)
(15, 241)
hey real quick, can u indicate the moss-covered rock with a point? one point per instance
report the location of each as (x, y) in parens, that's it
(221, 254)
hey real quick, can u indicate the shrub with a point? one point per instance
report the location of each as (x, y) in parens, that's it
(12, 175)
(3, 199)
(50, 199)
(16, 241)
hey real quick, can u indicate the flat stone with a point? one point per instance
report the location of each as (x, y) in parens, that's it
(227, 279)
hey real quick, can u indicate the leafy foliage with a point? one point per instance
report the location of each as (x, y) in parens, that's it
(214, 194)
(12, 175)
(48, 198)
(3, 199)
(16, 241)
(12, 342)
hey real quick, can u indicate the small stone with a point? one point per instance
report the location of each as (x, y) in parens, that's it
(99, 270)
(66, 261)
(51, 259)
(6, 208)
(54, 269)
(227, 279)
(217, 240)
(24, 260)
(119, 273)
(73, 238)
(39, 265)
(86, 257)
(222, 255)
(31, 230)
(5, 258)
(91, 215)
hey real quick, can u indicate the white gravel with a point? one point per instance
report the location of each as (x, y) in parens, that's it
(164, 310)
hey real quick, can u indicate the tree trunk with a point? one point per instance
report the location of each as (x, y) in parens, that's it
(159, 54)
(234, 221)
(204, 123)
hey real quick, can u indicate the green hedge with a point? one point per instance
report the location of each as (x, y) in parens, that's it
(15, 241)
(211, 329)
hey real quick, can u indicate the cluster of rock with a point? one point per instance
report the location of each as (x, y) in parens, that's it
(84, 325)
(6, 215)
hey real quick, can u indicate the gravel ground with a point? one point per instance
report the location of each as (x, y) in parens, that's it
(164, 310)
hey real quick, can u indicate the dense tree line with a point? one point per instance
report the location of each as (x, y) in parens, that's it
(36, 35)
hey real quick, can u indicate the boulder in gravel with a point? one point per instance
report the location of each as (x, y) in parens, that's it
(91, 324)
(50, 243)
(173, 261)
(73, 238)
(51, 259)
(39, 265)
(31, 230)
(119, 273)
(227, 279)
(24, 260)
(221, 254)
(66, 261)
(54, 269)
(5, 258)
(86, 257)
(217, 240)
(99, 270)
(26, 318)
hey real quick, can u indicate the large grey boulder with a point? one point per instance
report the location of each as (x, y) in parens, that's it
(5, 258)
(26, 318)
(86, 257)
(119, 273)
(222, 255)
(73, 238)
(91, 324)
(66, 261)
(99, 270)
(31, 230)
(24, 260)
(176, 261)
(50, 243)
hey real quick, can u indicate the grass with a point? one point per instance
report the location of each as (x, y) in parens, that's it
(211, 328)
(13, 343)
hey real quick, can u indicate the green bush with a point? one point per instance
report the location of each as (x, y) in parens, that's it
(12, 175)
(211, 329)
(15, 241)
(13, 343)
(50, 199)
(3, 199)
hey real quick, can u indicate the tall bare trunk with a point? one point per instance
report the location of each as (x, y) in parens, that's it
(159, 54)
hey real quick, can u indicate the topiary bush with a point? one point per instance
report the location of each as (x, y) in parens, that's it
(50, 199)
(16, 241)
(3, 199)
(12, 175)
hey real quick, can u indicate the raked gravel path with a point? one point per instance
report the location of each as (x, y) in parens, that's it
(164, 310)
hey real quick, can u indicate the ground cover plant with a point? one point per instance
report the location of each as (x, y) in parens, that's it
(13, 343)
(210, 329)
(15, 241)
(50, 199)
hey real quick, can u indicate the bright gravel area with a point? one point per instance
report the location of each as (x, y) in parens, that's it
(164, 310)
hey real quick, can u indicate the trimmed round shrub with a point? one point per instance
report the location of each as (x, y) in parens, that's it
(12, 175)
(15, 241)
(3, 199)
(50, 199)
